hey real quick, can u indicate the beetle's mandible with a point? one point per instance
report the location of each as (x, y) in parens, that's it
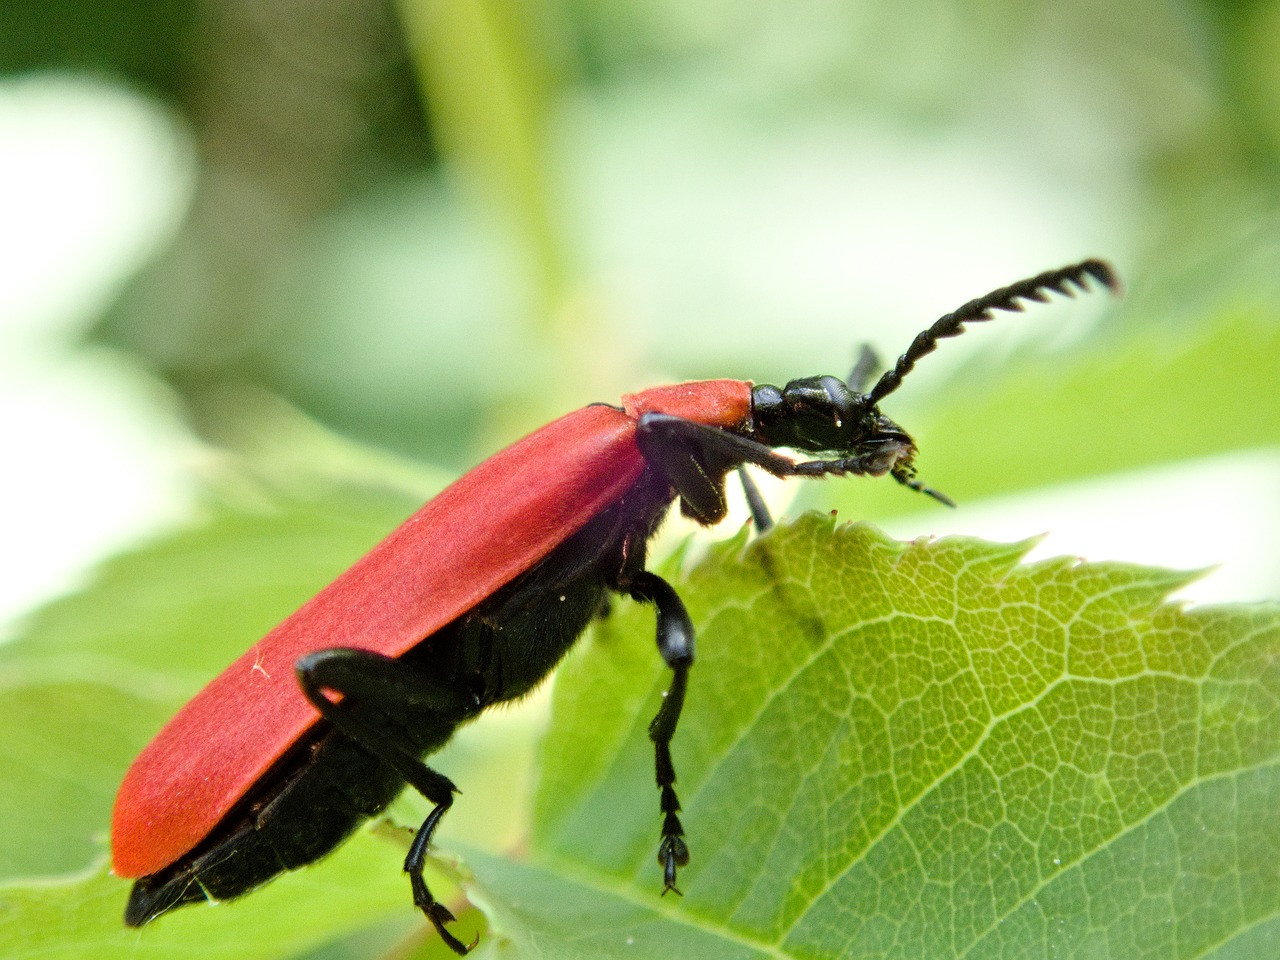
(472, 602)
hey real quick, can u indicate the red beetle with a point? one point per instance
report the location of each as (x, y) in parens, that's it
(472, 602)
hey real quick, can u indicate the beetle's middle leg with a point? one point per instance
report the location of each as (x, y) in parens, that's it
(374, 689)
(675, 643)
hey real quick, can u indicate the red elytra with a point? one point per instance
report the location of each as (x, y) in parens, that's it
(494, 523)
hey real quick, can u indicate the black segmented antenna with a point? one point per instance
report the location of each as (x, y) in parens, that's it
(1064, 280)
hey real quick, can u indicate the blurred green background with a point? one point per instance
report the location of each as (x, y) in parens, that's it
(432, 226)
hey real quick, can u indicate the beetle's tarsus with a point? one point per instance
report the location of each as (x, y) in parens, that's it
(437, 913)
(452, 942)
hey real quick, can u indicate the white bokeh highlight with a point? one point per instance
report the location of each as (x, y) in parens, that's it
(93, 180)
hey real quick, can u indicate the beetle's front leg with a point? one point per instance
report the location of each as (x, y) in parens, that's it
(695, 457)
(675, 643)
(379, 694)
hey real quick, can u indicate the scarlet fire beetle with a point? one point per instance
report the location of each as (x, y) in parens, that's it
(472, 602)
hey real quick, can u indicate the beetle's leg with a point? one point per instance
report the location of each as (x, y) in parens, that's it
(694, 458)
(755, 502)
(675, 643)
(375, 690)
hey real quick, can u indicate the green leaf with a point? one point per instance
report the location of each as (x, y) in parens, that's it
(928, 749)
(888, 749)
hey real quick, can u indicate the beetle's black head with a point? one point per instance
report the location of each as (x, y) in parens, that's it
(826, 416)
(835, 418)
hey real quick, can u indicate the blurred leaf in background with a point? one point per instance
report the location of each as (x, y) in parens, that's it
(261, 261)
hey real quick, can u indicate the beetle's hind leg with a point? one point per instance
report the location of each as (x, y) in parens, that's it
(374, 690)
(675, 643)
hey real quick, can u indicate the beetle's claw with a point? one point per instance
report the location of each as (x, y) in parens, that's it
(454, 944)
(673, 853)
(439, 915)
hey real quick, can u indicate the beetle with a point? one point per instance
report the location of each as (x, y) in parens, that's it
(472, 601)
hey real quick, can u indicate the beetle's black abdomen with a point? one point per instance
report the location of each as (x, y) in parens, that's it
(334, 786)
